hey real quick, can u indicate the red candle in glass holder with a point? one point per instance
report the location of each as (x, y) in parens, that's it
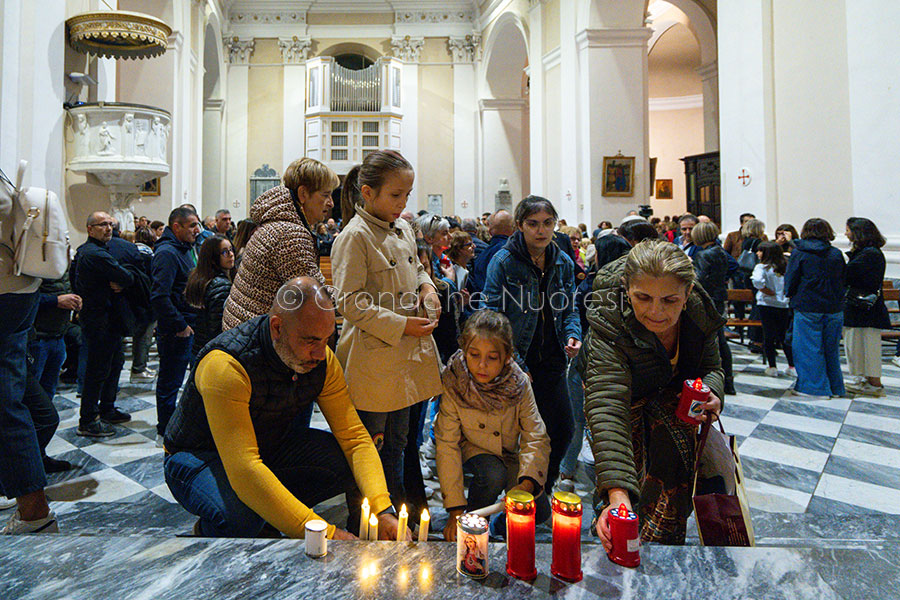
(520, 535)
(626, 537)
(693, 394)
(567, 512)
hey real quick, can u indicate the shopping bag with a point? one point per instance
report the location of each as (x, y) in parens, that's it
(720, 500)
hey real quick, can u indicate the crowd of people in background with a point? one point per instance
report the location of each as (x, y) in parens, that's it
(489, 344)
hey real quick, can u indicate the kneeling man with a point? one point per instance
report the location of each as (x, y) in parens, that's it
(238, 457)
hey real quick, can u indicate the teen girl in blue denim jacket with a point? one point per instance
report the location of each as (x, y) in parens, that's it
(533, 283)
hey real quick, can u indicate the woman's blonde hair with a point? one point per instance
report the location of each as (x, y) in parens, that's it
(458, 241)
(488, 324)
(753, 228)
(704, 233)
(570, 231)
(658, 258)
(311, 174)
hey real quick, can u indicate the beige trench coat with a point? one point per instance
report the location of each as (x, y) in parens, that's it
(516, 435)
(377, 276)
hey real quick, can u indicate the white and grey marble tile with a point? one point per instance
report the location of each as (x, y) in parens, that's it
(70, 435)
(875, 455)
(872, 422)
(779, 474)
(801, 439)
(863, 471)
(122, 449)
(774, 498)
(792, 456)
(745, 413)
(146, 471)
(880, 409)
(867, 495)
(806, 409)
(82, 464)
(751, 401)
(871, 436)
(795, 422)
(826, 506)
(105, 485)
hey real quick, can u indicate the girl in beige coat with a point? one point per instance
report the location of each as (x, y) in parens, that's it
(488, 424)
(389, 358)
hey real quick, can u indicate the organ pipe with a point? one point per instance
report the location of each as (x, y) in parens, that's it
(356, 91)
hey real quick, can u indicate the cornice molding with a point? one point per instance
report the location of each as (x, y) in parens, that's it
(676, 102)
(552, 58)
(502, 104)
(613, 38)
(175, 41)
(294, 50)
(239, 49)
(434, 16)
(214, 104)
(266, 16)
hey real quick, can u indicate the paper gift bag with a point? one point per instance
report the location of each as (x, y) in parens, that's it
(720, 501)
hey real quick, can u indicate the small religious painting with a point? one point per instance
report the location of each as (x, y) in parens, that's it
(663, 189)
(150, 188)
(618, 175)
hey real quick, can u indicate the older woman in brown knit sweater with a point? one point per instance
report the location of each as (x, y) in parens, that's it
(283, 246)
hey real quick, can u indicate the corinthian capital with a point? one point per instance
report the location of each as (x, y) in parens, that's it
(464, 48)
(239, 50)
(294, 50)
(407, 48)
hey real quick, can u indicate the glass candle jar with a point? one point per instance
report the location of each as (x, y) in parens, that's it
(520, 535)
(567, 511)
(472, 545)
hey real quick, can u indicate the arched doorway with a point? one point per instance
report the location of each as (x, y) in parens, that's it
(504, 113)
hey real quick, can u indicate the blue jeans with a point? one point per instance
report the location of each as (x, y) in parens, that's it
(21, 466)
(49, 354)
(310, 465)
(174, 356)
(576, 397)
(816, 349)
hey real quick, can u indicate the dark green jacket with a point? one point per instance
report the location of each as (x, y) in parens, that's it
(626, 362)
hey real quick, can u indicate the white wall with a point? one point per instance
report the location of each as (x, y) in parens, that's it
(674, 134)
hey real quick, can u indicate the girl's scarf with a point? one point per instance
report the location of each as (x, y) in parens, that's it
(506, 389)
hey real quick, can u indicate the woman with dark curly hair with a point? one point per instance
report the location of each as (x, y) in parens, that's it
(208, 286)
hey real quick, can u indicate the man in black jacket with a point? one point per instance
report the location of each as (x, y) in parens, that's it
(99, 279)
(172, 262)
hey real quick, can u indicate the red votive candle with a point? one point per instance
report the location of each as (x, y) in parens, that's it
(567, 512)
(693, 394)
(520, 535)
(626, 537)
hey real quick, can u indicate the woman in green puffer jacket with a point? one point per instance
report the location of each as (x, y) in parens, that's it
(651, 327)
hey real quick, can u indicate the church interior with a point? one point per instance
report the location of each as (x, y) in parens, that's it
(783, 109)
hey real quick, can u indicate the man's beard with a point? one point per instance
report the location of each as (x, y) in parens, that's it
(287, 357)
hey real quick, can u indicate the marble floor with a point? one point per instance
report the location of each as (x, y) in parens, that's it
(801, 458)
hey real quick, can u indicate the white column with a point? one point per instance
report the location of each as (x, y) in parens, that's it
(709, 75)
(180, 135)
(237, 180)
(465, 115)
(570, 197)
(294, 51)
(31, 113)
(536, 101)
(408, 50)
(211, 162)
(613, 117)
(746, 111)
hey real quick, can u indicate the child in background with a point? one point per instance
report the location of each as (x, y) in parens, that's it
(389, 357)
(768, 279)
(488, 424)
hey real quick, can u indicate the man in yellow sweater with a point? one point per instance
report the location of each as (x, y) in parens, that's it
(238, 457)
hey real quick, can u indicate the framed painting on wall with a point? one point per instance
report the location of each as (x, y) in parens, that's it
(618, 175)
(663, 189)
(150, 188)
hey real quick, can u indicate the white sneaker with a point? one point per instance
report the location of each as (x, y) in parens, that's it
(429, 492)
(427, 473)
(7, 503)
(771, 372)
(791, 372)
(427, 449)
(144, 376)
(17, 526)
(867, 389)
(794, 392)
(586, 455)
(896, 361)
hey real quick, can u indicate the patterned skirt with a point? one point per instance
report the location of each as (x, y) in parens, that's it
(664, 448)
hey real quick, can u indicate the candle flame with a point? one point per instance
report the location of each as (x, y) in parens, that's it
(425, 515)
(373, 520)
(623, 511)
(403, 512)
(698, 384)
(365, 503)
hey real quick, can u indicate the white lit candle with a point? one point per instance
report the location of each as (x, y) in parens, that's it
(373, 528)
(364, 520)
(403, 517)
(424, 523)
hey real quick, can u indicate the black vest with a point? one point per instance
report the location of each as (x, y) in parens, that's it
(278, 394)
